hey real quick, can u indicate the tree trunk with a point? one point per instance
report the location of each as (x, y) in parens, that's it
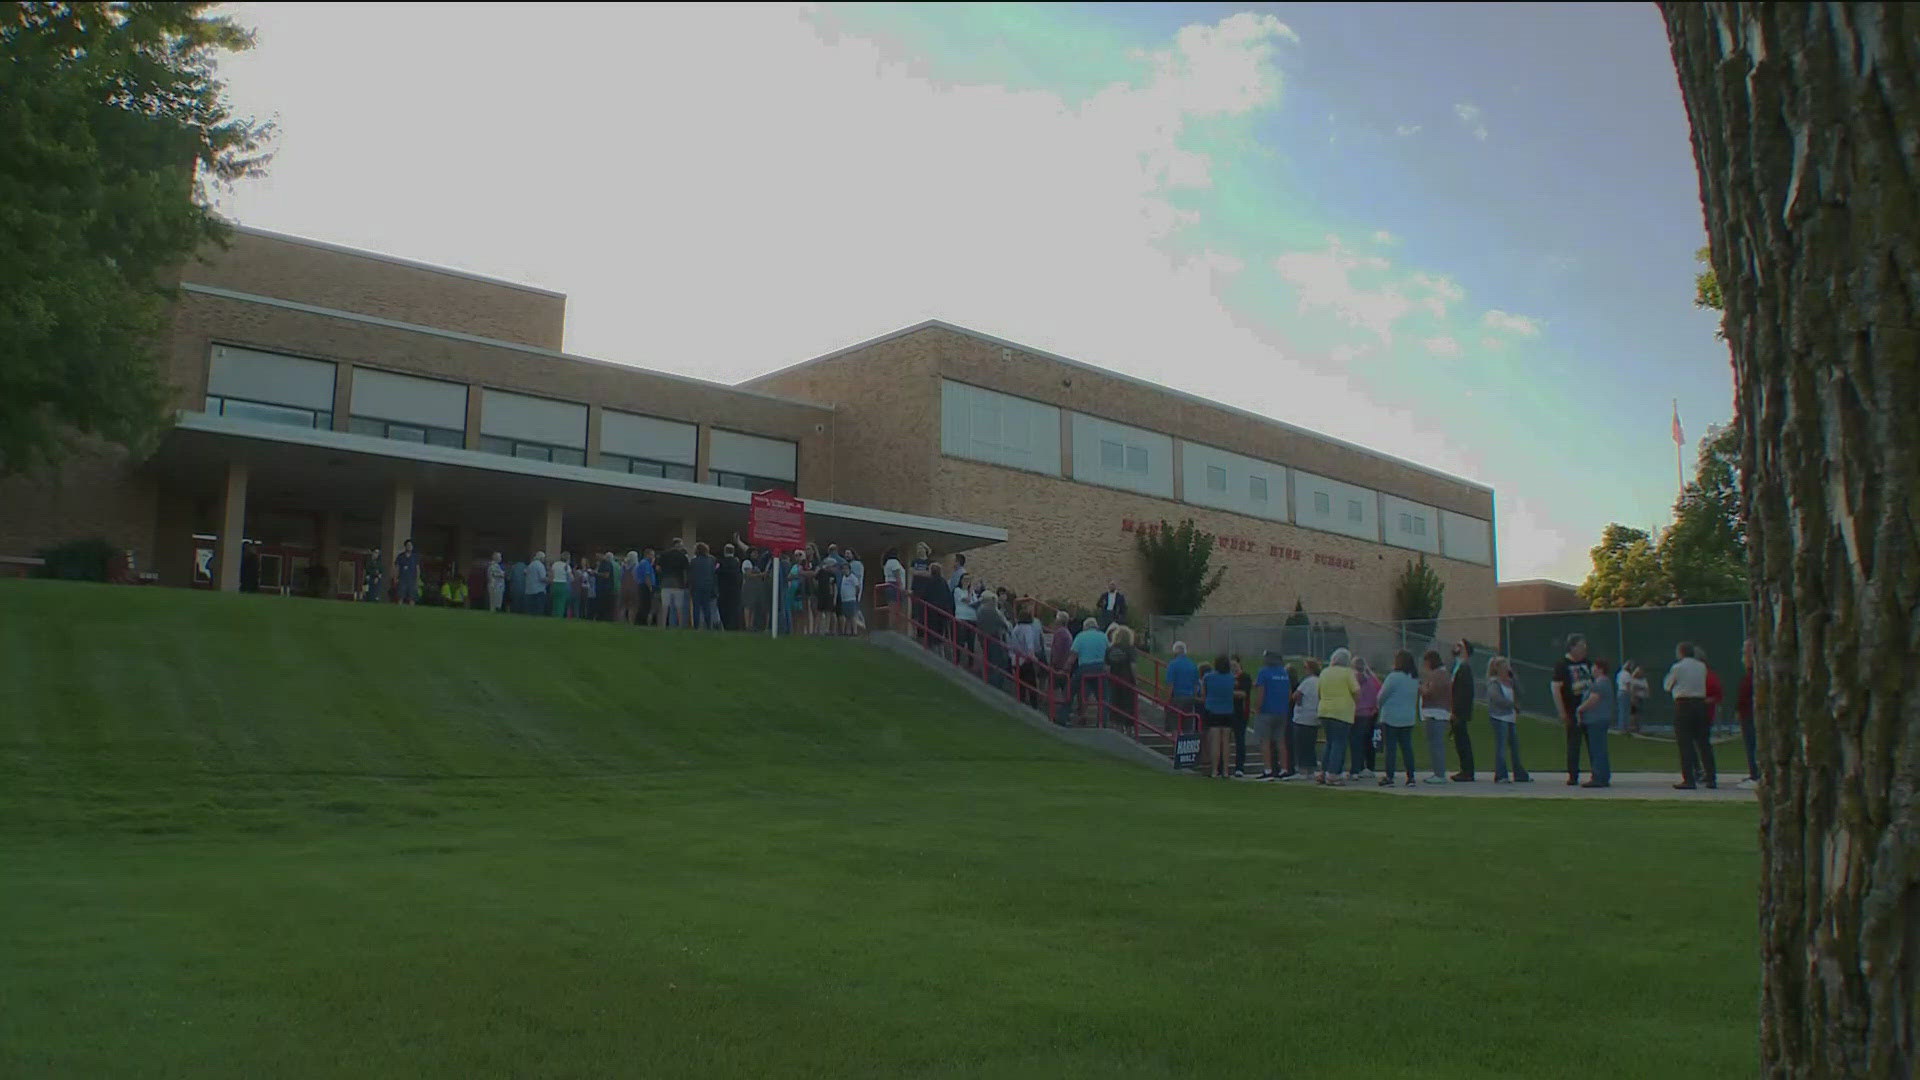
(1806, 131)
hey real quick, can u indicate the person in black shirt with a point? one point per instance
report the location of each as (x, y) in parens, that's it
(1571, 677)
(730, 576)
(606, 587)
(1242, 704)
(675, 610)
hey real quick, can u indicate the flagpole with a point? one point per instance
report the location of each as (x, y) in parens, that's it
(1679, 470)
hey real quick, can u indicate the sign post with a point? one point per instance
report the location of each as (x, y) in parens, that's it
(778, 522)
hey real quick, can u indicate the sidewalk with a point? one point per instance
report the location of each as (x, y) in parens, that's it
(1544, 786)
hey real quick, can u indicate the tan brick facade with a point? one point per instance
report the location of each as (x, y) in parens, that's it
(866, 423)
(290, 268)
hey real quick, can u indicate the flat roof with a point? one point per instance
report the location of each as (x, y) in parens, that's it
(941, 324)
(1537, 581)
(342, 249)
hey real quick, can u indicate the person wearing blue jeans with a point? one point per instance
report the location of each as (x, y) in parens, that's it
(1399, 705)
(1503, 711)
(1596, 716)
(1090, 654)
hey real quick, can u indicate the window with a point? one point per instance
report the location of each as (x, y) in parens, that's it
(1216, 478)
(982, 425)
(1322, 503)
(1419, 526)
(1406, 524)
(1257, 488)
(1137, 460)
(749, 482)
(1112, 455)
(413, 433)
(1354, 512)
(665, 470)
(532, 451)
(268, 414)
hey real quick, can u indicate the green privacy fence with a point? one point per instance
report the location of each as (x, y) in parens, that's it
(1645, 635)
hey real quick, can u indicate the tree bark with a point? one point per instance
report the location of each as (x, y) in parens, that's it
(1806, 131)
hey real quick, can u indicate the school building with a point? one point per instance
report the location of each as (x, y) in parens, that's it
(333, 402)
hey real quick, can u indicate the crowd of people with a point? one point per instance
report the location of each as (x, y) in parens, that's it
(676, 585)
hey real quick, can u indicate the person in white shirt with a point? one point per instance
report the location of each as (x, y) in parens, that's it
(560, 585)
(853, 580)
(536, 597)
(959, 572)
(1687, 682)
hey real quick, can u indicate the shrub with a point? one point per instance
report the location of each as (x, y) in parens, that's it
(79, 560)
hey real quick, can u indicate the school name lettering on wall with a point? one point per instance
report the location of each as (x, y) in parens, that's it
(1243, 544)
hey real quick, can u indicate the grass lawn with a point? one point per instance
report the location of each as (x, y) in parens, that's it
(248, 836)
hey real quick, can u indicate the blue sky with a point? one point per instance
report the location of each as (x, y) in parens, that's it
(1463, 234)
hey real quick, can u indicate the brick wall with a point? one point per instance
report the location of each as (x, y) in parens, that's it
(1533, 597)
(287, 268)
(96, 492)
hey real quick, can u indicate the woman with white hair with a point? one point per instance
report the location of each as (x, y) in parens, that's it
(1339, 694)
(629, 588)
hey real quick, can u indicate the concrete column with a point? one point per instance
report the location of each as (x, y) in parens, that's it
(702, 463)
(547, 529)
(233, 526)
(175, 522)
(688, 532)
(327, 550)
(474, 395)
(342, 396)
(396, 524)
(1066, 444)
(594, 414)
(1179, 466)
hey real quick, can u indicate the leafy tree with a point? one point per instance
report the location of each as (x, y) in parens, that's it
(1417, 596)
(1704, 551)
(1802, 118)
(1177, 558)
(1627, 571)
(1706, 287)
(112, 125)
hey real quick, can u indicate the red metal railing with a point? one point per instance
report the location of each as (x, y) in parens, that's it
(1067, 696)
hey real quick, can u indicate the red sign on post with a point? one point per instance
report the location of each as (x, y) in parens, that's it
(777, 521)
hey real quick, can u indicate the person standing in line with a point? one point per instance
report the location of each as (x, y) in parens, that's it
(1436, 713)
(676, 608)
(581, 604)
(606, 587)
(1464, 694)
(1112, 606)
(560, 585)
(1339, 700)
(1366, 715)
(538, 577)
(1687, 682)
(649, 614)
(853, 585)
(703, 583)
(956, 579)
(1242, 704)
(249, 566)
(1503, 713)
(993, 628)
(1270, 723)
(1743, 710)
(1183, 689)
(1632, 680)
(376, 583)
(1123, 698)
(1306, 723)
(1715, 694)
(729, 578)
(1399, 711)
(1596, 717)
(1060, 662)
(406, 573)
(1090, 664)
(517, 587)
(1216, 688)
(496, 583)
(1027, 645)
(893, 587)
(1570, 678)
(755, 586)
(966, 613)
(629, 589)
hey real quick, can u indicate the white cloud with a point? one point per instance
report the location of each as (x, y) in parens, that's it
(1406, 129)
(1471, 116)
(1326, 280)
(1441, 291)
(1501, 322)
(1385, 238)
(1442, 346)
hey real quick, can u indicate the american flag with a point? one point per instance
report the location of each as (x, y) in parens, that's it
(1678, 439)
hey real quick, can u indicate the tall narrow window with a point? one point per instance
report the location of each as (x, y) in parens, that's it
(1216, 478)
(1112, 455)
(1257, 488)
(1354, 513)
(1322, 503)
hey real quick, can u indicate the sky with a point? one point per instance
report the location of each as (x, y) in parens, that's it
(1460, 234)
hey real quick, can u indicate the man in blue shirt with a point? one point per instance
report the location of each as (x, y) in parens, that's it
(1183, 681)
(1276, 708)
(1090, 663)
(1596, 717)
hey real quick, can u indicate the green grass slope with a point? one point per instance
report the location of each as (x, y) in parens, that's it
(244, 836)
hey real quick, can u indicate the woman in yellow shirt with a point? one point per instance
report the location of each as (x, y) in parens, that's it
(1339, 692)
